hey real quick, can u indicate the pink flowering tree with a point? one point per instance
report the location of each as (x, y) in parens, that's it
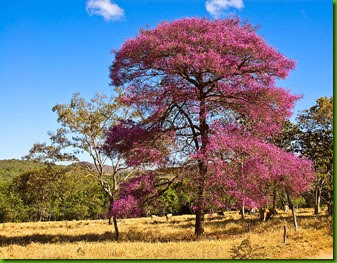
(209, 86)
(137, 193)
(251, 170)
(139, 145)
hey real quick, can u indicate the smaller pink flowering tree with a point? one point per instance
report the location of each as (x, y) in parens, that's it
(137, 193)
(251, 169)
(139, 146)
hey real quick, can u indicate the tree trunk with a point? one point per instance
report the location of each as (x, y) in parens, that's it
(107, 189)
(199, 216)
(330, 203)
(330, 208)
(317, 201)
(243, 212)
(283, 203)
(274, 200)
(116, 228)
(114, 219)
(293, 211)
(199, 229)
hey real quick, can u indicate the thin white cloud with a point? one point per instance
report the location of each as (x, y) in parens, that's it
(303, 13)
(216, 7)
(106, 8)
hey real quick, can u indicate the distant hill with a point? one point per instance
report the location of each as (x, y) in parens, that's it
(107, 168)
(11, 168)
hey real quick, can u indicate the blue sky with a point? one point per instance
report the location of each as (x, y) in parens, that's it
(52, 49)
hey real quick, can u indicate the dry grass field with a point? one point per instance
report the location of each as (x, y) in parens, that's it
(145, 238)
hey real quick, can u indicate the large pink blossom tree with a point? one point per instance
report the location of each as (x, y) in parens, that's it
(209, 86)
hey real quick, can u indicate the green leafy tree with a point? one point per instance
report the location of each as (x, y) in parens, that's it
(288, 138)
(169, 201)
(316, 143)
(12, 207)
(84, 125)
(41, 192)
(83, 198)
(57, 193)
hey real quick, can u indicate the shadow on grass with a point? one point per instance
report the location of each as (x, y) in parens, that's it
(322, 221)
(256, 226)
(170, 221)
(218, 224)
(130, 236)
(45, 238)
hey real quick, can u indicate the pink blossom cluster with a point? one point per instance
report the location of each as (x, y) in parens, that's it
(126, 206)
(249, 169)
(199, 45)
(133, 196)
(137, 144)
(235, 66)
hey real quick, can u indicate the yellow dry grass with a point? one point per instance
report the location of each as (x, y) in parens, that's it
(174, 239)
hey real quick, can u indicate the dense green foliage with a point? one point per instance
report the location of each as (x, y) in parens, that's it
(176, 200)
(312, 137)
(11, 168)
(51, 193)
(316, 143)
(33, 191)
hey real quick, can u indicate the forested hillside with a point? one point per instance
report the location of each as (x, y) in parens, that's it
(11, 168)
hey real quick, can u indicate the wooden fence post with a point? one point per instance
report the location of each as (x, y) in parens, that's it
(293, 210)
